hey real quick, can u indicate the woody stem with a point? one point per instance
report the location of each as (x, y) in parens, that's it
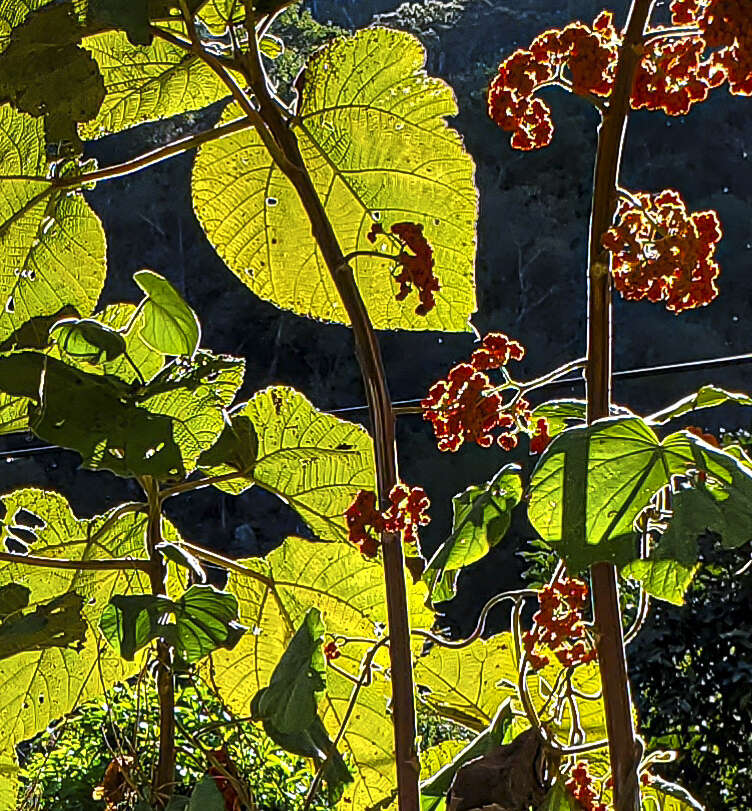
(607, 613)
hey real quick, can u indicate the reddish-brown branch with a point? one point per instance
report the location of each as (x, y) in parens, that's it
(607, 614)
(382, 420)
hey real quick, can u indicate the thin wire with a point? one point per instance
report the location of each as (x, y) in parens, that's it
(625, 374)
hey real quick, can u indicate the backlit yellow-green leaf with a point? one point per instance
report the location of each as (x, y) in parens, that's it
(13, 13)
(314, 461)
(372, 131)
(39, 686)
(147, 83)
(52, 246)
(8, 779)
(348, 590)
(218, 14)
(13, 414)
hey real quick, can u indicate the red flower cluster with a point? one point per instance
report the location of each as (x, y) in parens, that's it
(727, 26)
(580, 786)
(672, 76)
(331, 651)
(559, 625)
(662, 253)
(406, 512)
(495, 351)
(588, 54)
(225, 786)
(417, 267)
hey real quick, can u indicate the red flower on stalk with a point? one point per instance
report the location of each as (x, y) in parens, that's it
(580, 786)
(588, 54)
(406, 512)
(663, 253)
(559, 625)
(540, 439)
(495, 351)
(417, 265)
(331, 651)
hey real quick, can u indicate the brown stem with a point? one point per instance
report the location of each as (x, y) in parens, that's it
(164, 776)
(607, 613)
(106, 564)
(382, 422)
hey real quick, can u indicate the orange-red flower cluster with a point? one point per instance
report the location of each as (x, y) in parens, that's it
(495, 351)
(725, 25)
(663, 253)
(331, 651)
(406, 512)
(417, 267)
(579, 56)
(467, 407)
(580, 786)
(221, 780)
(559, 625)
(672, 76)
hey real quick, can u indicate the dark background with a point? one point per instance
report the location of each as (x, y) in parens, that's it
(534, 210)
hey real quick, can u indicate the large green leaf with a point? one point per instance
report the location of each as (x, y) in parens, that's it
(40, 686)
(591, 484)
(721, 503)
(559, 799)
(87, 339)
(13, 13)
(9, 782)
(147, 83)
(92, 415)
(44, 72)
(314, 461)
(706, 397)
(52, 246)
(148, 361)
(348, 590)
(560, 414)
(194, 398)
(372, 131)
(482, 515)
(13, 414)
(218, 14)
(204, 619)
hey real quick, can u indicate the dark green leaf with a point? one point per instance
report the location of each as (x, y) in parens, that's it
(206, 796)
(87, 339)
(706, 397)
(169, 324)
(131, 621)
(298, 680)
(235, 449)
(132, 16)
(205, 619)
(43, 71)
(93, 415)
(35, 333)
(13, 597)
(55, 624)
(481, 519)
(591, 484)
(722, 504)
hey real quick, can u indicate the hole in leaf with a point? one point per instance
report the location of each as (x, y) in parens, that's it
(271, 201)
(10, 305)
(27, 518)
(14, 546)
(23, 534)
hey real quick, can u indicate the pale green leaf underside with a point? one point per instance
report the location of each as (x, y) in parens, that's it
(52, 245)
(348, 590)
(314, 461)
(147, 83)
(40, 686)
(373, 135)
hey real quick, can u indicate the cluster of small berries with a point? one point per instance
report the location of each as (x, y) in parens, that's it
(225, 786)
(663, 253)
(580, 786)
(589, 54)
(467, 407)
(674, 72)
(727, 26)
(416, 267)
(406, 512)
(559, 625)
